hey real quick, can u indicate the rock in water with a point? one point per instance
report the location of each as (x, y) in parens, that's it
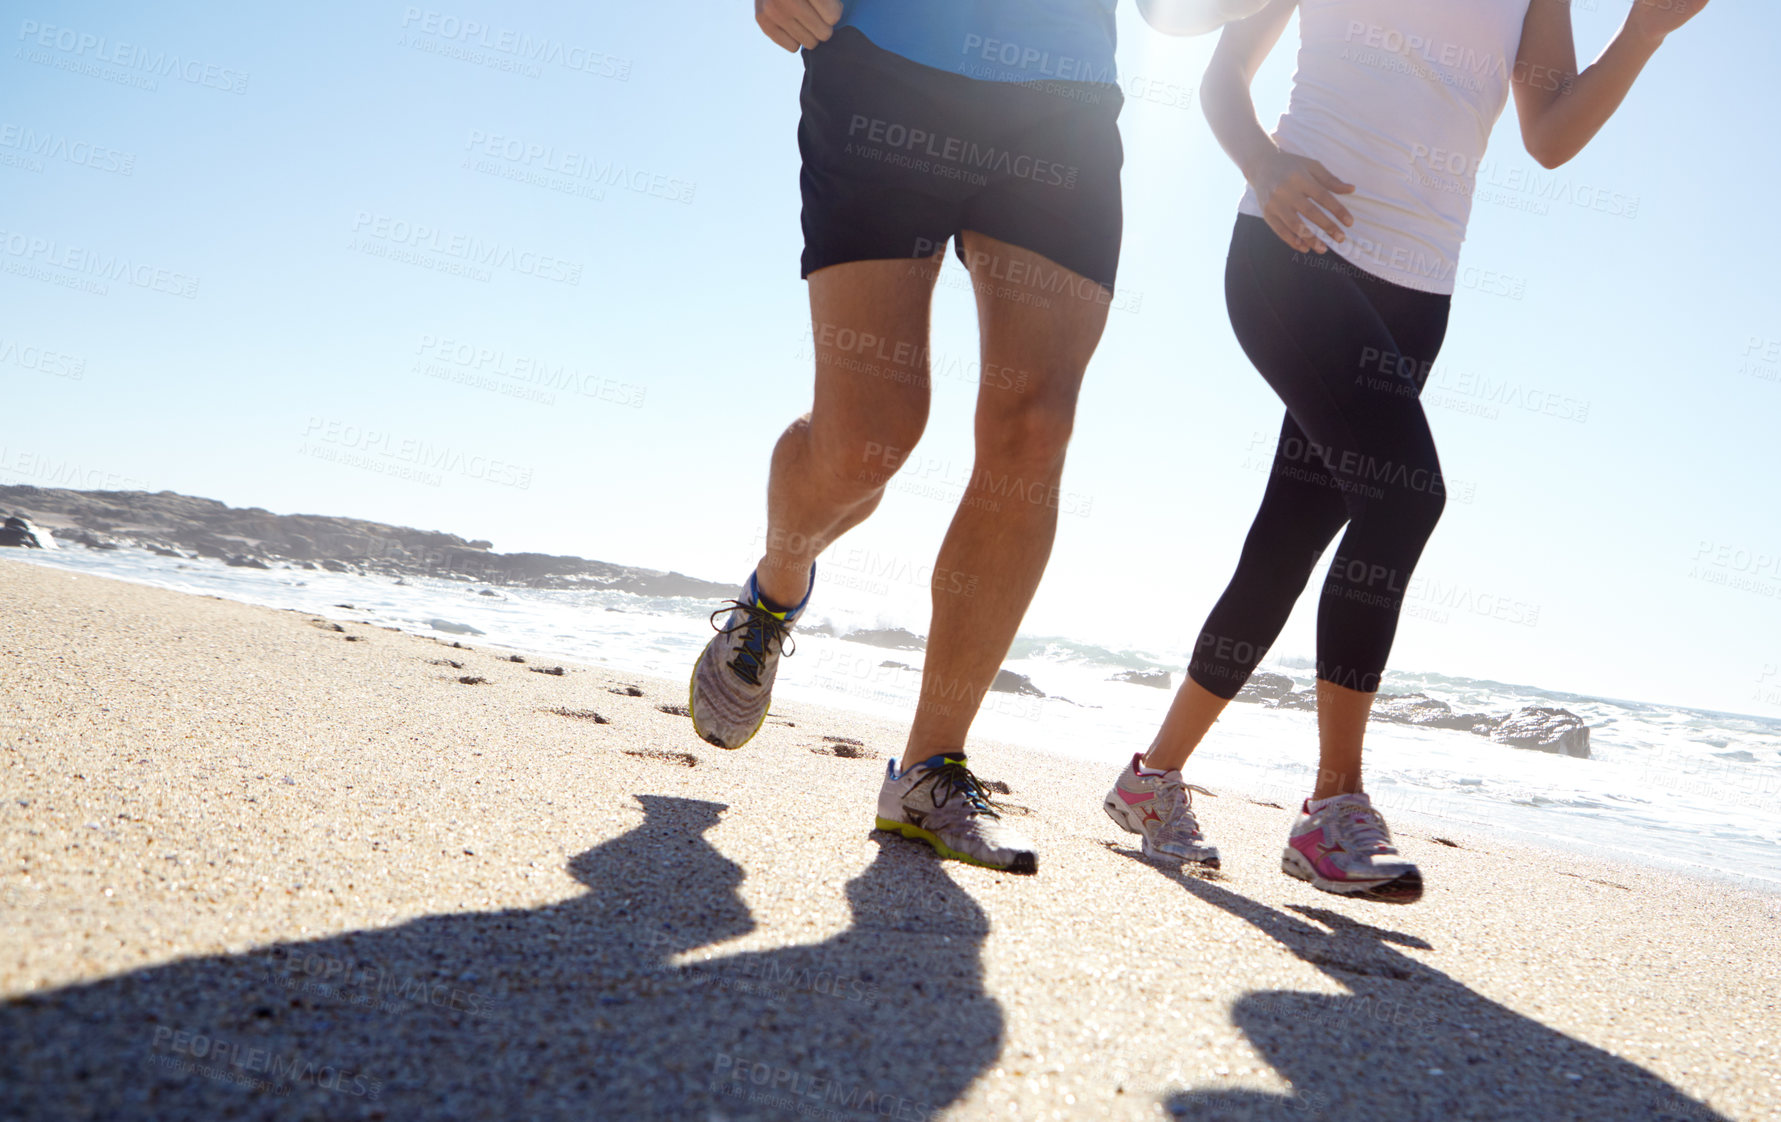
(1426, 712)
(1545, 730)
(1007, 681)
(1157, 678)
(1263, 686)
(451, 628)
(20, 534)
(893, 638)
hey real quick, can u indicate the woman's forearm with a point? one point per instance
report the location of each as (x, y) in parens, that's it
(1579, 107)
(1230, 110)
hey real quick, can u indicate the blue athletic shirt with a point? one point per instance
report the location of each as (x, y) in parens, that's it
(995, 40)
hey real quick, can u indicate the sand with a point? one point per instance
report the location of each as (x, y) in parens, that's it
(260, 866)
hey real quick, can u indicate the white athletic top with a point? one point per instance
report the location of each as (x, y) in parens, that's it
(1398, 97)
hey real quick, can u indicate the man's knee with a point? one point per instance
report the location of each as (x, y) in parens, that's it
(1032, 431)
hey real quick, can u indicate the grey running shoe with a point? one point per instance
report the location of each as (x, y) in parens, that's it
(1345, 847)
(732, 683)
(942, 803)
(1160, 810)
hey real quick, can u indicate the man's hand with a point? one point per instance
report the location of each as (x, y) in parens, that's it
(797, 23)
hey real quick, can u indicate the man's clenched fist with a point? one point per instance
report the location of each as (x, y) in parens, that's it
(797, 23)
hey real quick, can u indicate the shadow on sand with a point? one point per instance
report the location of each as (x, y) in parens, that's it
(1367, 1055)
(581, 1009)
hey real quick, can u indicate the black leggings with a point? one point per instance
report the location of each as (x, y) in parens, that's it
(1348, 353)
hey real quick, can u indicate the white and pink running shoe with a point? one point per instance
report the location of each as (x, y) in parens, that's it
(1160, 810)
(1345, 847)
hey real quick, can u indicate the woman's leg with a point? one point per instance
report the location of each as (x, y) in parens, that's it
(1299, 516)
(1356, 448)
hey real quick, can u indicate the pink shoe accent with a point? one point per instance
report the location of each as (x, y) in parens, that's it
(1312, 846)
(1134, 799)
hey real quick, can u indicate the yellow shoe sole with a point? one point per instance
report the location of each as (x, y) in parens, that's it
(916, 833)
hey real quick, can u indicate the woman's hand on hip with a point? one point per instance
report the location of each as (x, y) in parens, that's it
(1295, 191)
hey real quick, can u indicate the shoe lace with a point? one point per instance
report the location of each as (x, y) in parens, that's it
(951, 779)
(1363, 829)
(1182, 823)
(761, 630)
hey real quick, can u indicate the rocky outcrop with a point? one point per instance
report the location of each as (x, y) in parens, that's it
(1156, 678)
(891, 638)
(1545, 729)
(1264, 687)
(207, 528)
(19, 533)
(1426, 712)
(1007, 681)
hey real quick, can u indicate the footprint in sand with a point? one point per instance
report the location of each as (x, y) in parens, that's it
(685, 759)
(578, 715)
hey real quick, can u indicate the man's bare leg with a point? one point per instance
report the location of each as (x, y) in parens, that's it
(821, 482)
(1045, 327)
(828, 468)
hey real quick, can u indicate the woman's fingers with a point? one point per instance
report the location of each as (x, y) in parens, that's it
(1291, 231)
(1328, 178)
(1328, 187)
(1316, 208)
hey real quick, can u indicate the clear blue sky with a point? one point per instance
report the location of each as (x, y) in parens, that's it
(317, 173)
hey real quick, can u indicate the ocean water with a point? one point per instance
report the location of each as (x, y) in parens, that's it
(1679, 788)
